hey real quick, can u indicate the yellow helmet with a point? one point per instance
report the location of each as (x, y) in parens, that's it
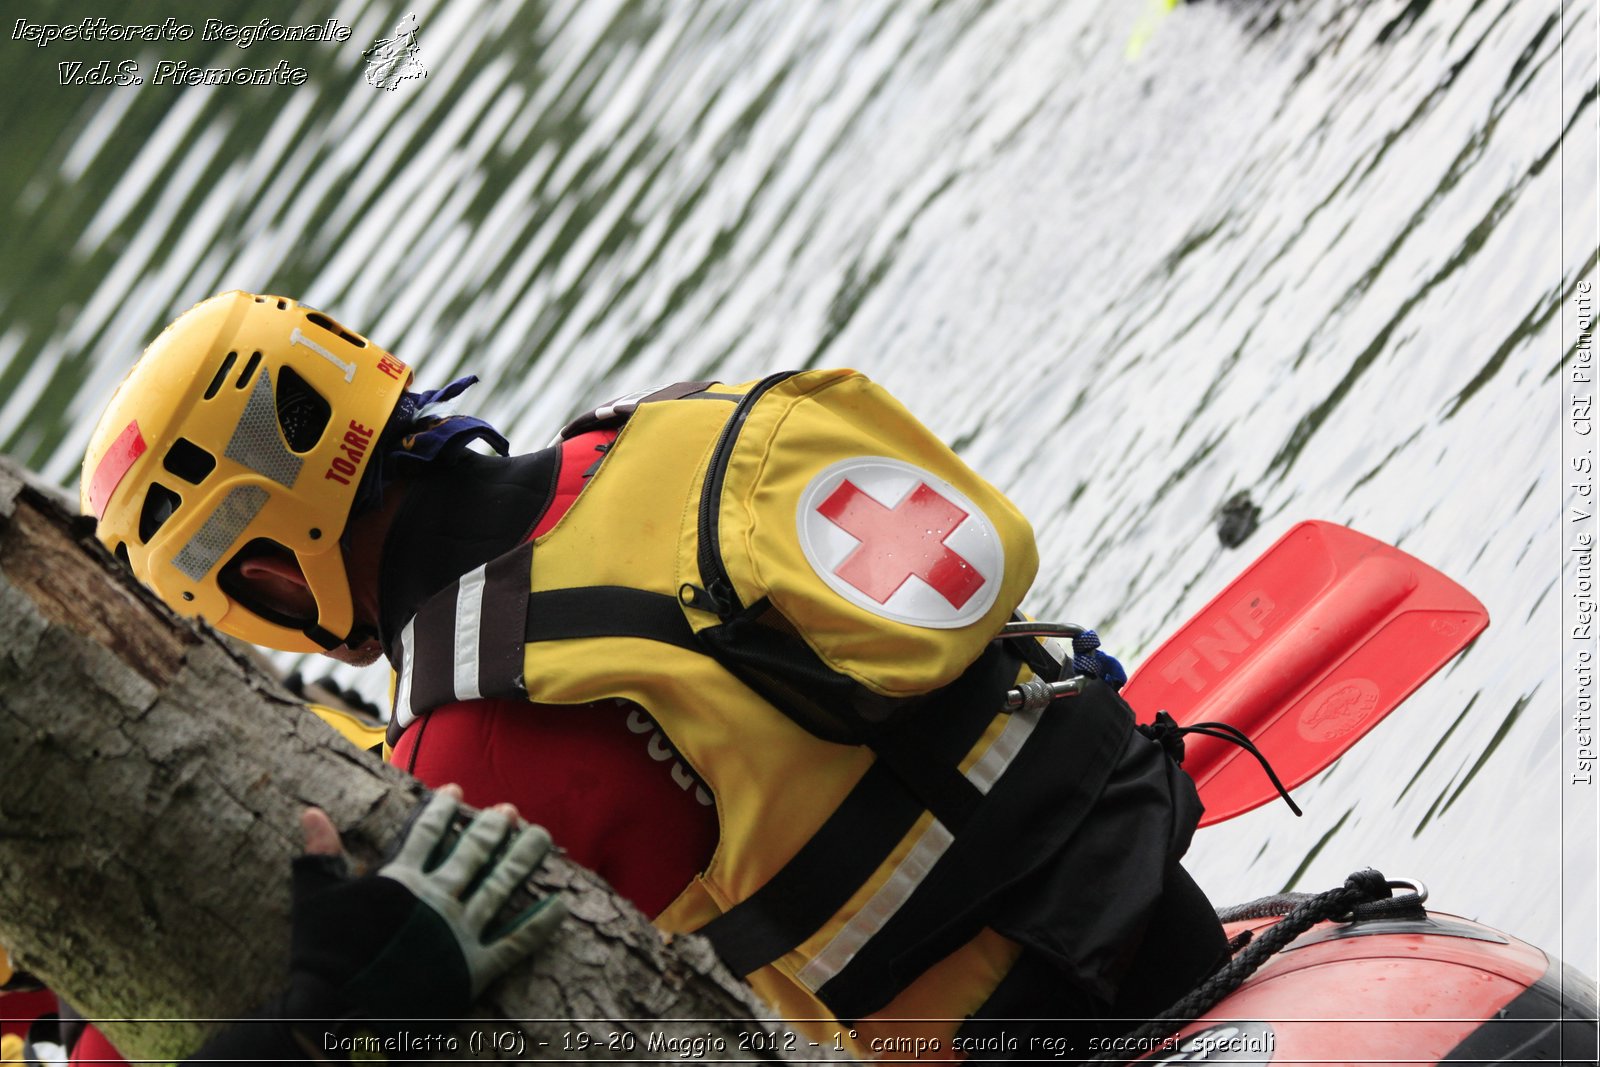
(248, 423)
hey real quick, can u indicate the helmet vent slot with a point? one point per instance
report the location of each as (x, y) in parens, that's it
(332, 327)
(189, 461)
(222, 373)
(159, 504)
(249, 370)
(303, 414)
(122, 555)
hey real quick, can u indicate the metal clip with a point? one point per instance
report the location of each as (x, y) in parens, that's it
(1068, 630)
(1036, 693)
(1412, 884)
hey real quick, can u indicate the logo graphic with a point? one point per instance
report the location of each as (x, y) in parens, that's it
(1334, 713)
(900, 542)
(1225, 641)
(392, 60)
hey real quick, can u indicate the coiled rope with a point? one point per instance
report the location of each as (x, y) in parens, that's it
(1302, 914)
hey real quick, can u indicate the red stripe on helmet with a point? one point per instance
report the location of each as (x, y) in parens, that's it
(114, 466)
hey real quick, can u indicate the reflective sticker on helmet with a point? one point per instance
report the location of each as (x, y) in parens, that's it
(218, 533)
(258, 443)
(113, 467)
(298, 338)
(900, 542)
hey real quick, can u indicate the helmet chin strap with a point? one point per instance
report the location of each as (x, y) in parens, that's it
(360, 634)
(327, 640)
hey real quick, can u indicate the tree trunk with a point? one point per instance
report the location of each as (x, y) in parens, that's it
(151, 780)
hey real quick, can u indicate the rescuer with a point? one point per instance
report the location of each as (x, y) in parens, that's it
(739, 648)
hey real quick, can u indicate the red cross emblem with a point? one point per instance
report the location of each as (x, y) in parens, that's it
(899, 542)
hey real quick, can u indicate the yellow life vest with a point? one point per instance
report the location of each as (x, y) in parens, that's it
(874, 803)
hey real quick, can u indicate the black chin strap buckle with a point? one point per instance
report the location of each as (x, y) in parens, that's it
(326, 639)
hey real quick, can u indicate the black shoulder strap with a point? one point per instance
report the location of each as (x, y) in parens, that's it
(607, 611)
(465, 642)
(469, 639)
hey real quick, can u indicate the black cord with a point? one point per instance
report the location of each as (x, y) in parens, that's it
(1359, 888)
(1169, 734)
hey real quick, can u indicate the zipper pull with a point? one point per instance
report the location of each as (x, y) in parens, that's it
(716, 597)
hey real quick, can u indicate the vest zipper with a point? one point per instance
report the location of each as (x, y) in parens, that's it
(715, 592)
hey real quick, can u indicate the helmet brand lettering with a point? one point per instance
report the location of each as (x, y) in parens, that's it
(298, 338)
(354, 446)
(391, 366)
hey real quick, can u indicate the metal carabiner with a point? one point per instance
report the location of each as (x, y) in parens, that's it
(1418, 890)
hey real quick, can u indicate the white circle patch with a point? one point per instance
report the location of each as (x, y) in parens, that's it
(900, 542)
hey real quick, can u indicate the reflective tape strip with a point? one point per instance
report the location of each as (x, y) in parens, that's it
(113, 467)
(910, 872)
(626, 403)
(992, 764)
(469, 629)
(220, 530)
(889, 898)
(403, 715)
(258, 443)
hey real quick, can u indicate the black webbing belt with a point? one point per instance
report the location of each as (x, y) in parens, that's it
(855, 840)
(608, 611)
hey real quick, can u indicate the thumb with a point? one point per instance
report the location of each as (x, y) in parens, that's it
(322, 837)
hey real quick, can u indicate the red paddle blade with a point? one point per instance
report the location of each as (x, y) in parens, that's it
(1306, 651)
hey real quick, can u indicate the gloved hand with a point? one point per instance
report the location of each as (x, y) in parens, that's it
(467, 885)
(413, 939)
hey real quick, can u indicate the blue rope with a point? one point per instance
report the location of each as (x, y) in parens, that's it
(1088, 659)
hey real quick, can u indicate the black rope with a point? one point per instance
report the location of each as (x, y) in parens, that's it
(1264, 908)
(1406, 906)
(1359, 888)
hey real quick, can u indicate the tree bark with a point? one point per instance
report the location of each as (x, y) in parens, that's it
(151, 780)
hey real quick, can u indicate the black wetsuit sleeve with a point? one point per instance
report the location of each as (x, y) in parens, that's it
(360, 948)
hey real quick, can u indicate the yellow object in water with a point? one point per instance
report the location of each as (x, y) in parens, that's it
(1145, 28)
